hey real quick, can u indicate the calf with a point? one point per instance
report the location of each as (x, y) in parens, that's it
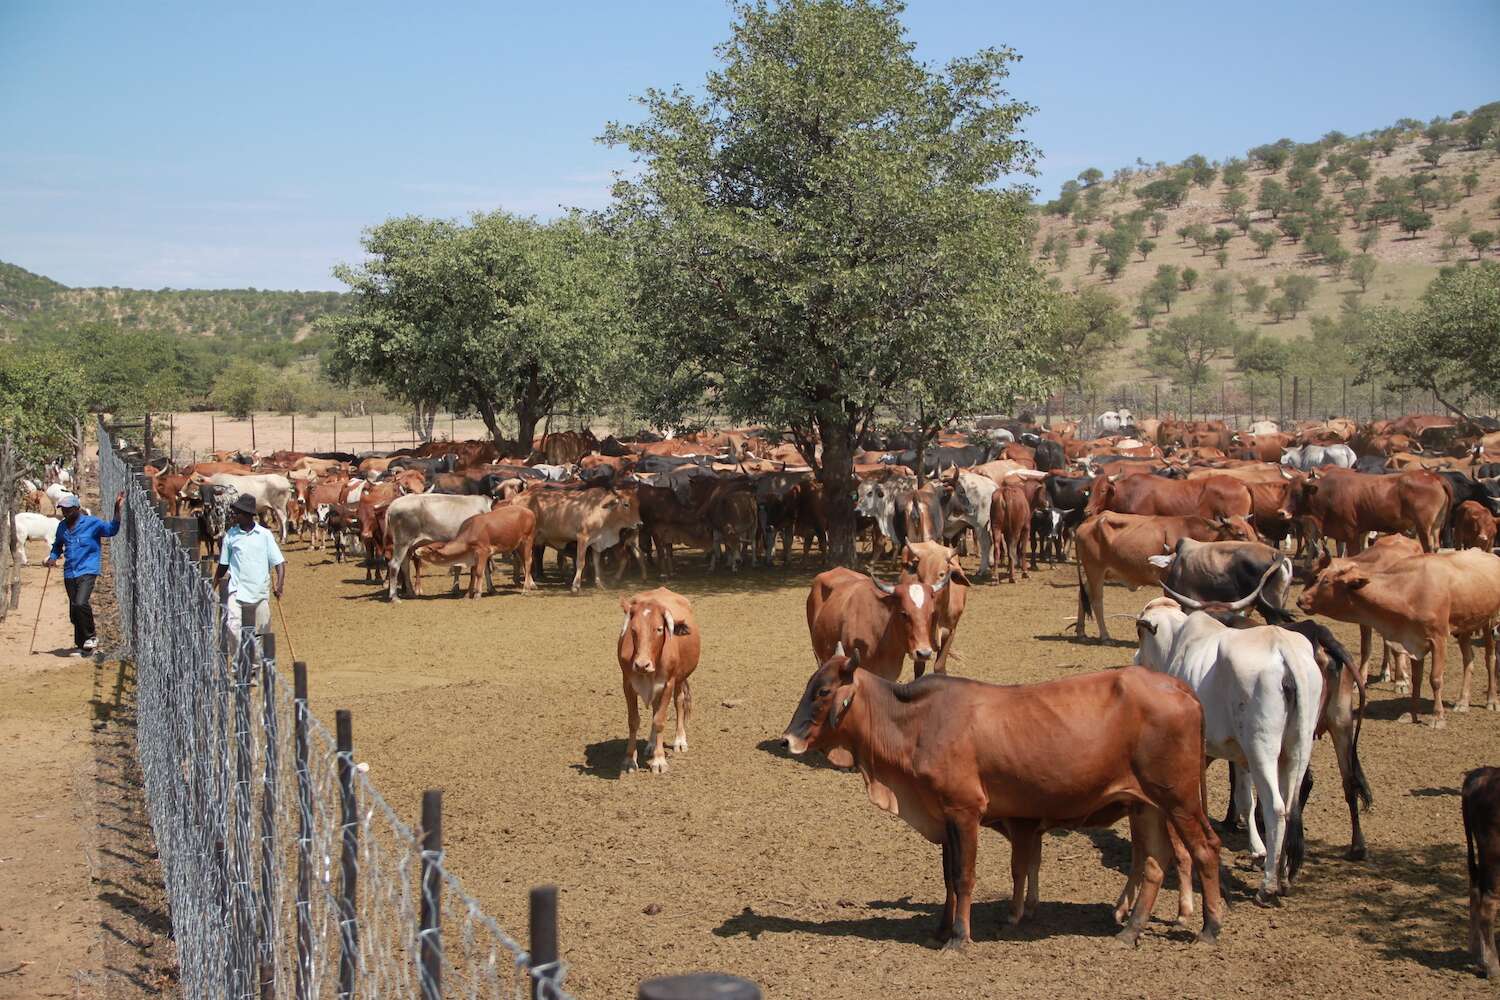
(1473, 527)
(884, 622)
(417, 519)
(1010, 521)
(1481, 811)
(496, 532)
(658, 651)
(949, 755)
(1417, 602)
(592, 519)
(1046, 533)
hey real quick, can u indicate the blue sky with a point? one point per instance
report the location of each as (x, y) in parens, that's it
(193, 145)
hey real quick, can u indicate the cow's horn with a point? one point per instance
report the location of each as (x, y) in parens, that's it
(885, 588)
(1186, 602)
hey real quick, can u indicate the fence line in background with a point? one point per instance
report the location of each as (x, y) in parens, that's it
(286, 871)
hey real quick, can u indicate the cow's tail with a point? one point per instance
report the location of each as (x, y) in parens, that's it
(1345, 664)
(1297, 710)
(1086, 607)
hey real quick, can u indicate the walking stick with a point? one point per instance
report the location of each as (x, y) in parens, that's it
(45, 580)
(290, 647)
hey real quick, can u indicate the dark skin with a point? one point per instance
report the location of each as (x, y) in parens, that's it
(278, 576)
(72, 514)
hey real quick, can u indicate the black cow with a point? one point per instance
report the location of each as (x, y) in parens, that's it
(1372, 465)
(942, 457)
(347, 457)
(1481, 809)
(1069, 494)
(1050, 456)
(1046, 533)
(1245, 574)
(429, 467)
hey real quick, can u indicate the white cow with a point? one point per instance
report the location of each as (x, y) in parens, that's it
(1112, 422)
(29, 526)
(973, 511)
(1315, 456)
(271, 491)
(880, 500)
(1261, 692)
(425, 517)
(56, 492)
(1265, 427)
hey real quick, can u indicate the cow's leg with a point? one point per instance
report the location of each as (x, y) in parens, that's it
(1365, 635)
(984, 542)
(393, 575)
(1341, 724)
(1231, 821)
(1245, 798)
(963, 830)
(1489, 908)
(599, 566)
(1466, 652)
(633, 717)
(481, 566)
(1023, 542)
(950, 893)
(994, 553)
(1150, 827)
(1491, 671)
(1197, 839)
(1438, 647)
(580, 560)
(683, 695)
(1265, 771)
(1025, 856)
(664, 698)
(1096, 597)
(1131, 890)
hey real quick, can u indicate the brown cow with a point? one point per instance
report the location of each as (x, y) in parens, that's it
(1481, 812)
(1121, 545)
(885, 622)
(1418, 602)
(943, 753)
(594, 519)
(928, 562)
(1211, 496)
(1010, 526)
(658, 651)
(505, 529)
(1346, 505)
(1473, 527)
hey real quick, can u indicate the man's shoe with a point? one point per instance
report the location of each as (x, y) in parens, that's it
(89, 645)
(79, 651)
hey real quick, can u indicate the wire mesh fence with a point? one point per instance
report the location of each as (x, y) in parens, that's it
(286, 871)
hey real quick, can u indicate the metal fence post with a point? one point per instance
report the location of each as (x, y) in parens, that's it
(349, 860)
(269, 937)
(430, 958)
(543, 926)
(304, 831)
(246, 947)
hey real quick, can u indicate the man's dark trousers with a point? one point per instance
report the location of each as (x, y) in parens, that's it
(80, 612)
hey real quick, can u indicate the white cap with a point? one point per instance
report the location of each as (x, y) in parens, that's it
(67, 500)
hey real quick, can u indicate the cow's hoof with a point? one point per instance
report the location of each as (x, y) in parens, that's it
(629, 765)
(1493, 706)
(1208, 935)
(679, 745)
(1356, 852)
(1438, 723)
(1267, 900)
(1130, 937)
(658, 765)
(956, 942)
(1462, 706)
(1402, 687)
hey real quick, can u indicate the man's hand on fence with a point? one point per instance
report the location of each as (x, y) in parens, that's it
(119, 502)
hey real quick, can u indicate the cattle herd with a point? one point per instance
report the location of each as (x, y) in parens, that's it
(1389, 526)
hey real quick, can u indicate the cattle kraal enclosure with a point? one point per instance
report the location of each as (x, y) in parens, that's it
(743, 858)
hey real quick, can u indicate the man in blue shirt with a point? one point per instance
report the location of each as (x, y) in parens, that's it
(248, 557)
(77, 543)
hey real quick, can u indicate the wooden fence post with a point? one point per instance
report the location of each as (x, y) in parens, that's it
(543, 926)
(335, 430)
(213, 439)
(304, 831)
(372, 432)
(246, 916)
(430, 960)
(252, 431)
(349, 860)
(294, 432)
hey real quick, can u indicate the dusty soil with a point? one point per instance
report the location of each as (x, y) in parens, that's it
(83, 911)
(778, 869)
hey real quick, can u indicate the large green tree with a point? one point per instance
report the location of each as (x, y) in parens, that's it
(504, 314)
(823, 231)
(42, 403)
(1448, 344)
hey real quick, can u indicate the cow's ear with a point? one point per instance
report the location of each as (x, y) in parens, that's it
(680, 628)
(625, 605)
(846, 672)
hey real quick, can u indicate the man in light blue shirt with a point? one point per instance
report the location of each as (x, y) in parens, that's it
(249, 557)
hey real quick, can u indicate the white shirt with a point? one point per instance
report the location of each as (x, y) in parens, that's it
(250, 556)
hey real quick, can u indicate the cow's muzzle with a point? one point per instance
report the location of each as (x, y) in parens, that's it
(644, 665)
(793, 743)
(923, 654)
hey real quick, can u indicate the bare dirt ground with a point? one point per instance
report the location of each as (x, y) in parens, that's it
(778, 869)
(83, 913)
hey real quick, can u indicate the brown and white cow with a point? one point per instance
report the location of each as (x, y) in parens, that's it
(658, 652)
(885, 622)
(1417, 602)
(946, 755)
(1481, 811)
(1120, 546)
(594, 519)
(930, 562)
(505, 529)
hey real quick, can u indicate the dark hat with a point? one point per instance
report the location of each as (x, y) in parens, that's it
(244, 503)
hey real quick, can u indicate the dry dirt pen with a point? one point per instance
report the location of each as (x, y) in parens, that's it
(748, 861)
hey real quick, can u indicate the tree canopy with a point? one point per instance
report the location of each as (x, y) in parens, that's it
(823, 232)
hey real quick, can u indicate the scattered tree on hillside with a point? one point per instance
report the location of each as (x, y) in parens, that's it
(1221, 258)
(1183, 232)
(43, 398)
(1222, 237)
(1091, 176)
(1221, 294)
(1186, 347)
(1080, 235)
(1272, 156)
(1457, 229)
(1263, 239)
(1495, 206)
(239, 388)
(1447, 344)
(1189, 279)
(1278, 307)
(1359, 169)
(502, 314)
(802, 269)
(1145, 247)
(1272, 198)
(1470, 181)
(1242, 223)
(1145, 309)
(1158, 222)
(1432, 153)
(1448, 190)
(1233, 173)
(1060, 254)
(1293, 227)
(1165, 285)
(1361, 270)
(1202, 237)
(1369, 238)
(1481, 240)
(1355, 199)
(1234, 202)
(1413, 222)
(1298, 290)
(1086, 329)
(1255, 293)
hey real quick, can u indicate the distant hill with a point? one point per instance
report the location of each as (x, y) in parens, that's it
(265, 325)
(1462, 189)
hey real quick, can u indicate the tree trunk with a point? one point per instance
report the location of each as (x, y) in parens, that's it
(486, 410)
(836, 474)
